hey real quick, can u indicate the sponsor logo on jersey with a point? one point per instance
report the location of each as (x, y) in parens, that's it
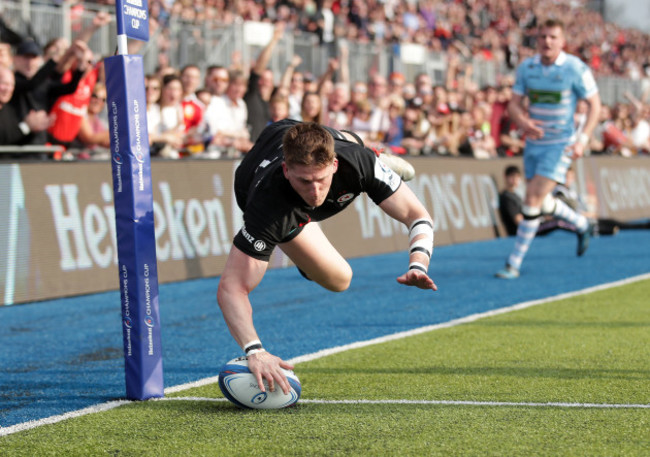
(258, 245)
(247, 235)
(545, 96)
(345, 197)
(300, 225)
(384, 174)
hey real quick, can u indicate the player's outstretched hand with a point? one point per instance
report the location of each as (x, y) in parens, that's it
(418, 279)
(265, 365)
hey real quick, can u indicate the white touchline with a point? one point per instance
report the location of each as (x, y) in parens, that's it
(54, 419)
(325, 352)
(436, 402)
(428, 328)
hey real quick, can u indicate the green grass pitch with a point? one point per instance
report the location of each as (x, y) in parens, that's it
(503, 371)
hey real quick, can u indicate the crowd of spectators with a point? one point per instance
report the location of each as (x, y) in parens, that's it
(500, 30)
(55, 94)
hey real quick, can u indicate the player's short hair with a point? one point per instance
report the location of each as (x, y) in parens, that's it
(552, 23)
(308, 143)
(512, 169)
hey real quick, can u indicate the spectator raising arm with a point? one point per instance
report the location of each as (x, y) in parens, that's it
(261, 85)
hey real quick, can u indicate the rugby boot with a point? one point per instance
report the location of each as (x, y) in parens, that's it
(507, 273)
(583, 239)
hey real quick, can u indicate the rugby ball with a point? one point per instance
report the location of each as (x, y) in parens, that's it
(239, 386)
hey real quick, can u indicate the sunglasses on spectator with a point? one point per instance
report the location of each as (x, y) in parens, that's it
(97, 97)
(150, 87)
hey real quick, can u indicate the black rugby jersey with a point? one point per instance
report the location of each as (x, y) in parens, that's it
(274, 212)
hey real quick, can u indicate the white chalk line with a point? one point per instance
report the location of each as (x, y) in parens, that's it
(428, 328)
(437, 403)
(54, 419)
(335, 350)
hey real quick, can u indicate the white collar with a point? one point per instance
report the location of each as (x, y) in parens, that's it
(561, 58)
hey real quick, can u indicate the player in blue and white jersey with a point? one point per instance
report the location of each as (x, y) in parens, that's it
(545, 94)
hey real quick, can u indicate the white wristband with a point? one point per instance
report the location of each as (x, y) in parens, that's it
(583, 139)
(251, 345)
(255, 351)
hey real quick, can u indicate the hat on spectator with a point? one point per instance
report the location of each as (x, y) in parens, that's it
(399, 77)
(28, 48)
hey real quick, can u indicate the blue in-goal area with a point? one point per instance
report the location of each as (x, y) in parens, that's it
(63, 355)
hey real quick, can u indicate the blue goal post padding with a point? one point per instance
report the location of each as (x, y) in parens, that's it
(134, 223)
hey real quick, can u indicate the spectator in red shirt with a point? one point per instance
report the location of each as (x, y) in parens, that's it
(193, 108)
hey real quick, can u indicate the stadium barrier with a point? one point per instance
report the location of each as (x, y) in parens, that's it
(58, 236)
